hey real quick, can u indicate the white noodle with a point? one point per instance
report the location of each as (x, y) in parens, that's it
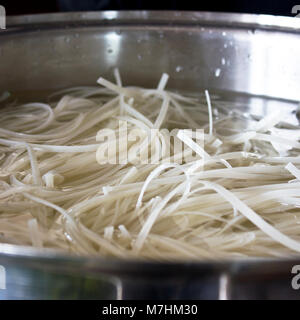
(58, 191)
(209, 112)
(293, 170)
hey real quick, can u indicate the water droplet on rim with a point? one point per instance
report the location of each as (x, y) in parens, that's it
(217, 72)
(179, 68)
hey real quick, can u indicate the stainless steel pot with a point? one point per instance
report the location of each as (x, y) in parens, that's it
(236, 53)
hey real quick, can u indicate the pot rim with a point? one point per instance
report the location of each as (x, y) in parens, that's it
(68, 261)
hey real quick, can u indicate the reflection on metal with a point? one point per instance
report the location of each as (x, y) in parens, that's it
(224, 287)
(110, 15)
(2, 18)
(2, 278)
(113, 44)
(119, 288)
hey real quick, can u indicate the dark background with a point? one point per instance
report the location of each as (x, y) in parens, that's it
(276, 7)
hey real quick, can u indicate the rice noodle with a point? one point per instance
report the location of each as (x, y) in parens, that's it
(235, 195)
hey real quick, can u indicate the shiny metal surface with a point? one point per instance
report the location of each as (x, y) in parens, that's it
(233, 53)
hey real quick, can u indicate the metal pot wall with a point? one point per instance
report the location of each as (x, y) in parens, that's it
(247, 55)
